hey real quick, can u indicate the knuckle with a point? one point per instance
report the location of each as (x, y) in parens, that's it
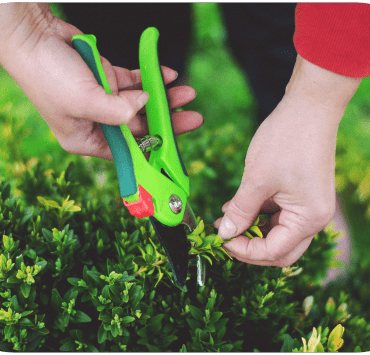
(129, 111)
(323, 213)
(237, 209)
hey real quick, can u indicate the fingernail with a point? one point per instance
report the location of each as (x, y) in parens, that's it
(227, 228)
(142, 99)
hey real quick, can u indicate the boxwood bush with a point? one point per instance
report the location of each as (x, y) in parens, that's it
(79, 273)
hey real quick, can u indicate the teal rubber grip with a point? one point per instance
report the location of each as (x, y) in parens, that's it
(85, 45)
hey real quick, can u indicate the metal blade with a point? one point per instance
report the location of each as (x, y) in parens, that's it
(175, 243)
(190, 222)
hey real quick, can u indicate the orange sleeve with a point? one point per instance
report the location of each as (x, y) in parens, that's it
(334, 36)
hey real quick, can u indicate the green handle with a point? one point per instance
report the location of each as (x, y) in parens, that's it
(133, 169)
(158, 112)
(85, 45)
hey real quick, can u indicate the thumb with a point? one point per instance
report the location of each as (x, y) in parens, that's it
(241, 211)
(114, 109)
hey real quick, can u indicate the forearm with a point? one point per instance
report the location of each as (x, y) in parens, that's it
(321, 89)
(21, 27)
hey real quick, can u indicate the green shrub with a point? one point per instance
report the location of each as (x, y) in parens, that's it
(68, 261)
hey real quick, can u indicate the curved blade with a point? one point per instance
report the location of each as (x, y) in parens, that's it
(175, 243)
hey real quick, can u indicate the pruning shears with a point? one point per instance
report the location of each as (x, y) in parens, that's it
(157, 189)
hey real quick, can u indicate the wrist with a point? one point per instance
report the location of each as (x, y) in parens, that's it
(21, 26)
(321, 88)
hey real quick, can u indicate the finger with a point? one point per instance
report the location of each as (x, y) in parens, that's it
(110, 75)
(268, 207)
(284, 244)
(242, 210)
(131, 79)
(177, 96)
(96, 105)
(183, 121)
(286, 261)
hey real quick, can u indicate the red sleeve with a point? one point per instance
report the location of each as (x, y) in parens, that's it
(334, 36)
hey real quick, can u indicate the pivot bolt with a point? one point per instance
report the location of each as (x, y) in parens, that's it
(175, 204)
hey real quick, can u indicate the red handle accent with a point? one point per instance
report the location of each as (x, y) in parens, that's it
(142, 208)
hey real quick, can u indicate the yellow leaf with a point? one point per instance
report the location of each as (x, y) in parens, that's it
(304, 345)
(336, 333)
(336, 344)
(255, 223)
(74, 209)
(256, 230)
(313, 341)
(49, 203)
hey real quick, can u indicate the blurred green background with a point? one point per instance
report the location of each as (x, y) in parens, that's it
(214, 154)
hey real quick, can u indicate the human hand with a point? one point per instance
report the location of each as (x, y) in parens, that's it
(41, 60)
(289, 170)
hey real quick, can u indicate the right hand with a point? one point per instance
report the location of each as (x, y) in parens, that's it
(40, 58)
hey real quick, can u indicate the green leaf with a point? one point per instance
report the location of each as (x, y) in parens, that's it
(247, 234)
(319, 348)
(196, 239)
(126, 320)
(330, 306)
(68, 346)
(194, 324)
(215, 317)
(80, 317)
(139, 260)
(65, 318)
(15, 304)
(48, 235)
(207, 257)
(91, 348)
(25, 322)
(117, 311)
(28, 213)
(25, 289)
(26, 313)
(196, 313)
(95, 276)
(31, 253)
(113, 329)
(256, 230)
(221, 332)
(44, 297)
(18, 261)
(49, 203)
(8, 331)
(149, 249)
(105, 317)
(6, 192)
(56, 299)
(126, 277)
(288, 344)
(143, 332)
(153, 348)
(69, 172)
(70, 295)
(199, 229)
(155, 324)
(105, 292)
(73, 280)
(42, 264)
(14, 280)
(226, 348)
